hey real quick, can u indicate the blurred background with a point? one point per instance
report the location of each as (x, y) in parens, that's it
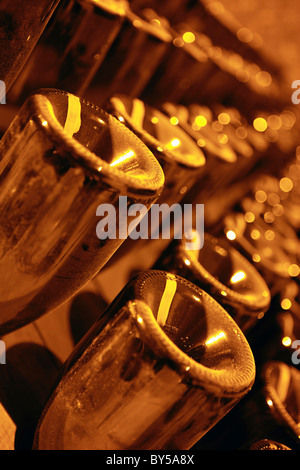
(272, 28)
(277, 22)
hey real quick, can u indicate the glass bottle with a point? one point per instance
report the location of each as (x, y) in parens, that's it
(267, 444)
(182, 160)
(183, 164)
(270, 411)
(262, 246)
(61, 159)
(132, 60)
(162, 365)
(21, 25)
(224, 273)
(72, 48)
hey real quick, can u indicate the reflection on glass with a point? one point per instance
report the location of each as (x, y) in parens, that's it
(267, 444)
(221, 158)
(182, 161)
(263, 246)
(282, 388)
(224, 273)
(162, 365)
(55, 171)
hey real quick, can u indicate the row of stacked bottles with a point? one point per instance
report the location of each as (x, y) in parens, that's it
(172, 102)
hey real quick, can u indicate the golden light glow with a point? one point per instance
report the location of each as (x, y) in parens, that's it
(137, 23)
(189, 37)
(278, 210)
(256, 258)
(201, 142)
(44, 123)
(269, 235)
(249, 217)
(286, 341)
(241, 132)
(140, 320)
(244, 34)
(269, 217)
(173, 144)
(274, 122)
(242, 75)
(223, 138)
(286, 304)
(183, 190)
(260, 196)
(270, 403)
(263, 78)
(286, 185)
(123, 158)
(255, 234)
(237, 277)
(215, 338)
(178, 42)
(156, 21)
(174, 120)
(260, 124)
(187, 262)
(224, 118)
(231, 235)
(200, 121)
(288, 119)
(294, 270)
(154, 120)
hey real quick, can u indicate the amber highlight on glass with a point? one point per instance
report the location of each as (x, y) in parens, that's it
(266, 208)
(161, 367)
(21, 25)
(277, 339)
(60, 159)
(72, 47)
(195, 70)
(281, 392)
(132, 59)
(218, 22)
(221, 158)
(222, 272)
(182, 160)
(184, 66)
(229, 77)
(262, 246)
(267, 444)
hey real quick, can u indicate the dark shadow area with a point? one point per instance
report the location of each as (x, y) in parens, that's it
(26, 382)
(86, 308)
